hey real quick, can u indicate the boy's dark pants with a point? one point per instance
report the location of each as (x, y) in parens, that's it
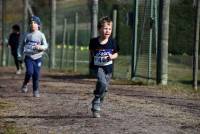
(18, 63)
(103, 80)
(32, 70)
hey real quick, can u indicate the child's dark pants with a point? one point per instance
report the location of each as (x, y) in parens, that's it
(32, 70)
(18, 63)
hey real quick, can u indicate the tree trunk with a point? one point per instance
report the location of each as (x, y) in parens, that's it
(162, 61)
(53, 34)
(196, 46)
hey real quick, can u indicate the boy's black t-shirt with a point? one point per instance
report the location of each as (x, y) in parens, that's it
(99, 54)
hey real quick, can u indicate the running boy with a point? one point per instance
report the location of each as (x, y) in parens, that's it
(13, 43)
(34, 46)
(103, 50)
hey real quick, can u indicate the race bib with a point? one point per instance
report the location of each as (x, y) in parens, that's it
(101, 58)
(30, 47)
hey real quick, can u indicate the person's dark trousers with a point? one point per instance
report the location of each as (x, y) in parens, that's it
(102, 84)
(17, 62)
(32, 70)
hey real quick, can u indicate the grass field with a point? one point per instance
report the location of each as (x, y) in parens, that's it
(179, 67)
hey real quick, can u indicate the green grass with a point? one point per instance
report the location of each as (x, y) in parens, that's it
(180, 89)
(5, 104)
(179, 67)
(7, 127)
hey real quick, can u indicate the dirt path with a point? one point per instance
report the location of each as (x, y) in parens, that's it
(64, 108)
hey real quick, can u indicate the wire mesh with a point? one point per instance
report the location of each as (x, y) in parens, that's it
(181, 36)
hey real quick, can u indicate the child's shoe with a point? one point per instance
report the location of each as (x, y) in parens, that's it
(24, 89)
(36, 94)
(96, 115)
(18, 71)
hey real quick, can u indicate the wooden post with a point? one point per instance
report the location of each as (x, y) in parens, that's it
(135, 38)
(68, 43)
(162, 61)
(3, 56)
(63, 44)
(196, 46)
(75, 42)
(94, 20)
(156, 24)
(53, 35)
(25, 16)
(150, 42)
(114, 32)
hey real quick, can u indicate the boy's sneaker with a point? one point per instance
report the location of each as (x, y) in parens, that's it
(24, 89)
(36, 94)
(18, 71)
(96, 115)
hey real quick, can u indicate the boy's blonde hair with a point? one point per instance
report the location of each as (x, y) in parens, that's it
(104, 20)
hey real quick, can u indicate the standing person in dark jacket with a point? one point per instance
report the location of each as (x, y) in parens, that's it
(13, 43)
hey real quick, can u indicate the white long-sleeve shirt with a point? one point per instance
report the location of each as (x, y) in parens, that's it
(32, 39)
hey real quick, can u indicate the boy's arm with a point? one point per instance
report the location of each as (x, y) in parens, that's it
(115, 52)
(113, 56)
(43, 45)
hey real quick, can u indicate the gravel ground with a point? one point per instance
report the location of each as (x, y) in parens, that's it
(64, 108)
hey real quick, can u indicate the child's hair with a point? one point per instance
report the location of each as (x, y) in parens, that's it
(16, 27)
(103, 20)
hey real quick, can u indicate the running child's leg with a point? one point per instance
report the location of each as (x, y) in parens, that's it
(36, 75)
(29, 72)
(99, 92)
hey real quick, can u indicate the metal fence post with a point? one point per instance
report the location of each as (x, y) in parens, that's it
(63, 44)
(94, 18)
(135, 34)
(53, 34)
(196, 46)
(75, 42)
(68, 43)
(156, 24)
(25, 16)
(3, 56)
(114, 31)
(150, 41)
(114, 23)
(162, 61)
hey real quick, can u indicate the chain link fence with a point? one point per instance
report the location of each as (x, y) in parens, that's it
(73, 22)
(181, 41)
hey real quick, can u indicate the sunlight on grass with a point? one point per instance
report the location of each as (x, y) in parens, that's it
(4, 104)
(9, 127)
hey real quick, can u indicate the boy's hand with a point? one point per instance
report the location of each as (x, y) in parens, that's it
(112, 56)
(109, 57)
(38, 47)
